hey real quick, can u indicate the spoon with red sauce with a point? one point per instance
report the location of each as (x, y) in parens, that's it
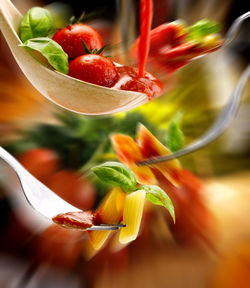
(129, 86)
(68, 92)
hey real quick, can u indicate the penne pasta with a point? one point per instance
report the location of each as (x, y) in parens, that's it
(110, 212)
(132, 215)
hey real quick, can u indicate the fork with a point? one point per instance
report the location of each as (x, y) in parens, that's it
(219, 126)
(40, 197)
(227, 114)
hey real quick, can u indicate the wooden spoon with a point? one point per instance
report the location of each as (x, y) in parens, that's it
(65, 91)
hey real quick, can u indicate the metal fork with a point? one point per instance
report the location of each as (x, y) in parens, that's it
(219, 126)
(227, 114)
(40, 197)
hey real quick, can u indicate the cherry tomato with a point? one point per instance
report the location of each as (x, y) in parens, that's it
(167, 34)
(94, 69)
(41, 162)
(70, 39)
(58, 246)
(170, 48)
(77, 191)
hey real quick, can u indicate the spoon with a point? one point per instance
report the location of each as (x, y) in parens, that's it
(41, 198)
(67, 92)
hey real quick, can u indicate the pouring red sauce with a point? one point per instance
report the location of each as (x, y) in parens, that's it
(144, 41)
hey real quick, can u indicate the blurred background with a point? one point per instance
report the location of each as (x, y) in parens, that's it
(210, 244)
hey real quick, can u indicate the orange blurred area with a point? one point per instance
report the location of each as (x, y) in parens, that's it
(19, 99)
(234, 267)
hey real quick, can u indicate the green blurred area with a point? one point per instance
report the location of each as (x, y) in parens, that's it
(199, 92)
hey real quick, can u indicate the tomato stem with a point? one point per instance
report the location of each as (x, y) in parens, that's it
(144, 41)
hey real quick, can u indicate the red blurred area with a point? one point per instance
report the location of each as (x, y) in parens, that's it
(41, 163)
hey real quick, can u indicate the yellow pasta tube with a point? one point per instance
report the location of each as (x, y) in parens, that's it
(110, 212)
(98, 238)
(132, 215)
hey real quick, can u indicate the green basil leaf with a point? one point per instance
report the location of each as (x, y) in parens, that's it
(51, 50)
(175, 137)
(37, 22)
(203, 28)
(159, 197)
(116, 174)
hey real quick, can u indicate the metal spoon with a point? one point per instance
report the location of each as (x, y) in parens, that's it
(219, 126)
(41, 198)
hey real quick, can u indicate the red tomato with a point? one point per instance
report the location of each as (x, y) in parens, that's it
(70, 39)
(94, 69)
(167, 34)
(77, 191)
(58, 246)
(41, 162)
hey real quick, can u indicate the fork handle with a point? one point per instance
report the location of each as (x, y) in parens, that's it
(9, 159)
(235, 27)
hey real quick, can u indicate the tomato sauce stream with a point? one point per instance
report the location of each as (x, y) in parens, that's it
(144, 41)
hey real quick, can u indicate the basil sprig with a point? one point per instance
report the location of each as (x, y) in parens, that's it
(51, 50)
(118, 174)
(36, 22)
(158, 196)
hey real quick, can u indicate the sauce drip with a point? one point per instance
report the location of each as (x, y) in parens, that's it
(130, 80)
(144, 41)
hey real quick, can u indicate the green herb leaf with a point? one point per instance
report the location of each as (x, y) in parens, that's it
(52, 51)
(94, 51)
(116, 174)
(203, 28)
(158, 197)
(175, 138)
(98, 52)
(37, 22)
(86, 48)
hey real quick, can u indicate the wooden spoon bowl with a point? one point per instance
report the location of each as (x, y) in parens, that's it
(63, 90)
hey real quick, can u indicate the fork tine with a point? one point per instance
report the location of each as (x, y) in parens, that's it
(104, 227)
(219, 126)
